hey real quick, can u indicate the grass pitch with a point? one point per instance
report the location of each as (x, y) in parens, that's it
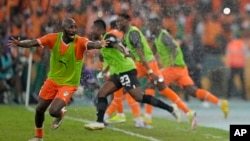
(17, 124)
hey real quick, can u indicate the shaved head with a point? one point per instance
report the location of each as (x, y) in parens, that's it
(67, 22)
(69, 29)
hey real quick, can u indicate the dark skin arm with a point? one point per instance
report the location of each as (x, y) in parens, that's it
(157, 56)
(97, 44)
(138, 47)
(136, 42)
(142, 58)
(123, 50)
(169, 42)
(24, 43)
(115, 42)
(34, 43)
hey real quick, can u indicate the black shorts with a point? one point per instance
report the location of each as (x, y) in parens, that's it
(128, 80)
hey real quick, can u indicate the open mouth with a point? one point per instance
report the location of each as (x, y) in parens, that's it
(72, 36)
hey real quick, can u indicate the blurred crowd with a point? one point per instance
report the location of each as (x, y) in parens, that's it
(202, 29)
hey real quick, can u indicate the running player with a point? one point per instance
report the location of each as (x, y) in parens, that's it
(123, 74)
(174, 67)
(147, 66)
(66, 62)
(116, 105)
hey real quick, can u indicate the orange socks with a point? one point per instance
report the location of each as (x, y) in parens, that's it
(39, 132)
(134, 106)
(205, 95)
(111, 108)
(149, 108)
(118, 98)
(116, 103)
(171, 95)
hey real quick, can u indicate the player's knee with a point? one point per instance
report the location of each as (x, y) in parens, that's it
(101, 93)
(54, 112)
(138, 98)
(190, 90)
(40, 109)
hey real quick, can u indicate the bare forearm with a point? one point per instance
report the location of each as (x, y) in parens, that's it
(94, 45)
(142, 58)
(28, 43)
(122, 49)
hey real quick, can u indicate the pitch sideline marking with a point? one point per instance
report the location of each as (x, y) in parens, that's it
(112, 128)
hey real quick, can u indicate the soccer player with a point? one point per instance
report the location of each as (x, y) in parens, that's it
(147, 66)
(66, 60)
(174, 67)
(116, 105)
(123, 74)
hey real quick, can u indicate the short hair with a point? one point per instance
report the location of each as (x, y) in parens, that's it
(125, 16)
(100, 23)
(67, 21)
(113, 24)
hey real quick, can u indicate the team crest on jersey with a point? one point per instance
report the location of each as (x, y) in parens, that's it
(65, 93)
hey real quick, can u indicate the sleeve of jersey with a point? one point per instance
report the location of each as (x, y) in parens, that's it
(84, 42)
(47, 40)
(112, 39)
(135, 39)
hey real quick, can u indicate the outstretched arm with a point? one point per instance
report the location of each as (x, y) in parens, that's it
(24, 43)
(97, 44)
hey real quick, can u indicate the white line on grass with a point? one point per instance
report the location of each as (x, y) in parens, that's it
(115, 129)
(112, 128)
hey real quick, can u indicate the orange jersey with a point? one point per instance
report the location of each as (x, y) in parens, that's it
(80, 44)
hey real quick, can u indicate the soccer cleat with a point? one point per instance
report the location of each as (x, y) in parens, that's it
(94, 126)
(148, 121)
(58, 121)
(36, 139)
(225, 108)
(139, 123)
(176, 113)
(192, 118)
(116, 119)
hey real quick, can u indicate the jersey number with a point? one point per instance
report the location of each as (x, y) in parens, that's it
(125, 80)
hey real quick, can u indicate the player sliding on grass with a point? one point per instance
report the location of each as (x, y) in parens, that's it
(66, 62)
(123, 74)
